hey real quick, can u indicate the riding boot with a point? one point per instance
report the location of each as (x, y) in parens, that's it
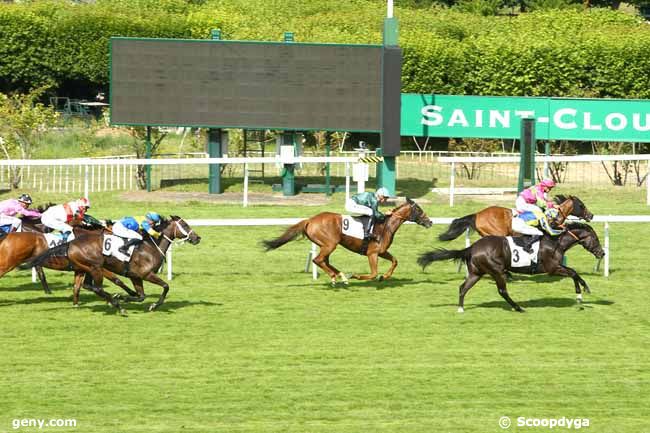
(125, 248)
(367, 234)
(529, 241)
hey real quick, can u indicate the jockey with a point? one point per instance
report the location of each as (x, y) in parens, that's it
(128, 228)
(367, 203)
(535, 200)
(57, 217)
(13, 209)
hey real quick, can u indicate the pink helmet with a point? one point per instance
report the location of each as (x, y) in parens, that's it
(548, 183)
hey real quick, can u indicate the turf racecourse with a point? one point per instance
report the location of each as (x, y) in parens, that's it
(247, 342)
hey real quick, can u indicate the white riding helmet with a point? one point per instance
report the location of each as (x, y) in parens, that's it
(83, 202)
(383, 191)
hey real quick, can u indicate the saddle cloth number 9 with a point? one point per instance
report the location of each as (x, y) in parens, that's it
(351, 227)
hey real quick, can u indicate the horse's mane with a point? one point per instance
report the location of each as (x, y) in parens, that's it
(408, 202)
(561, 198)
(578, 225)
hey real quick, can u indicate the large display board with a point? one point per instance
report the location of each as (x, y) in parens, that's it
(213, 83)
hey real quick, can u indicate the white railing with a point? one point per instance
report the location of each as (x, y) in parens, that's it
(118, 168)
(544, 159)
(606, 219)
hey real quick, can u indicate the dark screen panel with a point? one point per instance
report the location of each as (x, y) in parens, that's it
(239, 84)
(392, 101)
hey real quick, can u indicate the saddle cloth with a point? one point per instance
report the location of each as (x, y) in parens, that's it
(55, 239)
(353, 226)
(110, 246)
(520, 258)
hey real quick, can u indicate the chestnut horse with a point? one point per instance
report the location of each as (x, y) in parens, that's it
(491, 255)
(497, 221)
(325, 230)
(85, 255)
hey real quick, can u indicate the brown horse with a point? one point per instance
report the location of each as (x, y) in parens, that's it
(325, 230)
(85, 255)
(492, 255)
(80, 228)
(497, 221)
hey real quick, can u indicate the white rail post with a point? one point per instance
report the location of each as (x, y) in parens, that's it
(246, 185)
(606, 268)
(647, 184)
(86, 182)
(312, 255)
(34, 275)
(452, 180)
(347, 181)
(169, 263)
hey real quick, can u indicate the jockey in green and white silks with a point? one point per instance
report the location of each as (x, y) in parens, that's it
(367, 203)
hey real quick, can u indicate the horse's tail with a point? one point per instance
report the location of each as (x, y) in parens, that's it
(290, 234)
(441, 254)
(57, 251)
(458, 226)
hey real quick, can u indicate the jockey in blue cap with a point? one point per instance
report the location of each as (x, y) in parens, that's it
(128, 228)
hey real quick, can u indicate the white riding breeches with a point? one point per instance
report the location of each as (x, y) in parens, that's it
(520, 226)
(523, 206)
(354, 207)
(16, 223)
(53, 221)
(121, 231)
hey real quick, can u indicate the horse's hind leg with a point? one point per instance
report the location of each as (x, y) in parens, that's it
(139, 296)
(338, 273)
(469, 282)
(119, 283)
(501, 285)
(322, 261)
(41, 277)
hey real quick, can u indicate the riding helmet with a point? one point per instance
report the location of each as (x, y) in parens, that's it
(153, 216)
(25, 198)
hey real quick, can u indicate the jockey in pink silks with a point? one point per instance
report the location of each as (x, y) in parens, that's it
(11, 210)
(534, 199)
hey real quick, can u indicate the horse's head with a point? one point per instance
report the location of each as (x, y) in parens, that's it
(177, 228)
(411, 211)
(572, 205)
(586, 236)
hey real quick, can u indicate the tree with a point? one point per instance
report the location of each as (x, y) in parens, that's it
(22, 121)
(139, 146)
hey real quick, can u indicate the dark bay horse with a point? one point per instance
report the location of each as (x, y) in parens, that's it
(85, 255)
(497, 221)
(325, 230)
(491, 255)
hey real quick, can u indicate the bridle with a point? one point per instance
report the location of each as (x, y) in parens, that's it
(177, 227)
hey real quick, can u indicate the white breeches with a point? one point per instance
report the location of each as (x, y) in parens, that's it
(353, 207)
(520, 226)
(120, 230)
(523, 206)
(16, 223)
(53, 221)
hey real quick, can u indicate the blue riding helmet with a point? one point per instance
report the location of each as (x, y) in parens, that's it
(130, 223)
(153, 216)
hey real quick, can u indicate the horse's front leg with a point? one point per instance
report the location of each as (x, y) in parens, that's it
(578, 282)
(393, 264)
(372, 260)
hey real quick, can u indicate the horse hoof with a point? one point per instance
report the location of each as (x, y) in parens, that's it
(380, 278)
(579, 298)
(152, 307)
(75, 305)
(123, 312)
(461, 310)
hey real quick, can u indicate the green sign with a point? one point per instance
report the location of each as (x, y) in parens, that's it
(500, 117)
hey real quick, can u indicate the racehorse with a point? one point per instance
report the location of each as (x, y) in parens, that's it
(85, 255)
(79, 228)
(491, 255)
(497, 221)
(325, 230)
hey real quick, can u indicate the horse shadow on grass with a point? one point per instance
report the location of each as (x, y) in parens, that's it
(552, 302)
(323, 284)
(35, 287)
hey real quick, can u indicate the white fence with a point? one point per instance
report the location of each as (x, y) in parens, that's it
(96, 170)
(543, 159)
(606, 219)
